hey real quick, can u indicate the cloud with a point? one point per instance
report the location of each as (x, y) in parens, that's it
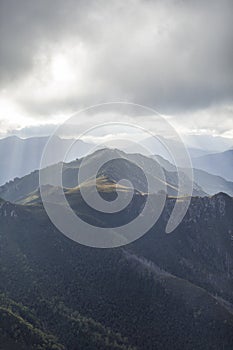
(59, 56)
(216, 120)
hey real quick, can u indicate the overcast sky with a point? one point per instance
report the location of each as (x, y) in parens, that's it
(59, 56)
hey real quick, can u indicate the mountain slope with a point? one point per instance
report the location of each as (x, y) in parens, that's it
(218, 163)
(161, 292)
(210, 183)
(19, 333)
(115, 170)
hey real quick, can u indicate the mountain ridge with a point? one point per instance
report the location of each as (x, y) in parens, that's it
(123, 167)
(160, 284)
(220, 164)
(19, 157)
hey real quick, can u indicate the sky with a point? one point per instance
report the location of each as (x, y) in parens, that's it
(57, 57)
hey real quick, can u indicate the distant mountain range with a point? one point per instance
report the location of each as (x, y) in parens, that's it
(156, 145)
(19, 157)
(209, 143)
(218, 163)
(121, 168)
(210, 183)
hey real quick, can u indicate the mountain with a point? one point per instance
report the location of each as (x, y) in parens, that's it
(122, 167)
(19, 329)
(204, 182)
(161, 292)
(210, 183)
(208, 143)
(220, 164)
(197, 152)
(19, 157)
(156, 145)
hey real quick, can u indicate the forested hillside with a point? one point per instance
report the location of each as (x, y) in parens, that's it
(161, 292)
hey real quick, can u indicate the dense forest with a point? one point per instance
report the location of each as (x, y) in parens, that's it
(160, 292)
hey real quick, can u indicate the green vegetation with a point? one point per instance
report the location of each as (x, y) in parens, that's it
(19, 329)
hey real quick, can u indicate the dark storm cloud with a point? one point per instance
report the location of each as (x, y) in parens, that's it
(27, 26)
(170, 55)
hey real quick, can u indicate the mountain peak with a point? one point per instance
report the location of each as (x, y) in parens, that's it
(222, 195)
